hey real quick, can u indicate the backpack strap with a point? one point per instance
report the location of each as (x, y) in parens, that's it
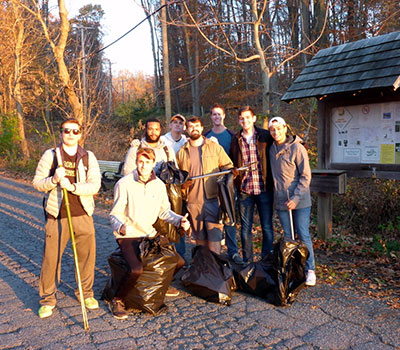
(167, 153)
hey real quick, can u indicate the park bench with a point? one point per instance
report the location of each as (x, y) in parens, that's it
(111, 172)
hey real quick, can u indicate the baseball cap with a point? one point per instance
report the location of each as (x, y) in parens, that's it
(278, 120)
(178, 116)
(146, 152)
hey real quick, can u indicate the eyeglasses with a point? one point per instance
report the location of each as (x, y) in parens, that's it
(68, 131)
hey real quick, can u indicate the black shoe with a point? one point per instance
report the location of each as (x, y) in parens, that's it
(237, 259)
(117, 308)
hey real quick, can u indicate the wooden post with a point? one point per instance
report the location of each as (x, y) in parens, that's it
(324, 206)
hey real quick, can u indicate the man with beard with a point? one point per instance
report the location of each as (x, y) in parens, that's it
(201, 156)
(151, 140)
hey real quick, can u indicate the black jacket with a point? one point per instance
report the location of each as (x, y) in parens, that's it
(264, 141)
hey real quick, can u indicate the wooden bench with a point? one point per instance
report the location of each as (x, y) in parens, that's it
(111, 172)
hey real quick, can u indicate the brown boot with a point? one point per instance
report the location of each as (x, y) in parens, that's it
(117, 308)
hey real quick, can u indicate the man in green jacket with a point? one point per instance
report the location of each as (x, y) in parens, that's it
(201, 156)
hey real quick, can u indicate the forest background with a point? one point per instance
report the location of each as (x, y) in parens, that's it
(234, 52)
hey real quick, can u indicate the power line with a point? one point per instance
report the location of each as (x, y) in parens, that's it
(130, 30)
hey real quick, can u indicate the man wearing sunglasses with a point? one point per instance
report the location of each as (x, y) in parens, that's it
(80, 176)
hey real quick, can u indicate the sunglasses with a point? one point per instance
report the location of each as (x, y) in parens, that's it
(68, 131)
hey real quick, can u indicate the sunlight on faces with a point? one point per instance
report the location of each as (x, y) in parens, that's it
(71, 139)
(144, 167)
(278, 132)
(217, 116)
(247, 120)
(194, 130)
(153, 132)
(177, 125)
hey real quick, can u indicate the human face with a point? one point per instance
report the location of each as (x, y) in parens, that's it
(278, 132)
(217, 116)
(194, 130)
(71, 139)
(144, 167)
(153, 132)
(247, 120)
(177, 126)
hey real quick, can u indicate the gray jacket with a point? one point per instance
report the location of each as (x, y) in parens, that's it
(291, 171)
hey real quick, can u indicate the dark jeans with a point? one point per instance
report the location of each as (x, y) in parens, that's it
(264, 202)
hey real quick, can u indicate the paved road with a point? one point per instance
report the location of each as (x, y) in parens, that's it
(323, 317)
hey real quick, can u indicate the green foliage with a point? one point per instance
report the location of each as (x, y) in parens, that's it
(379, 244)
(9, 137)
(132, 112)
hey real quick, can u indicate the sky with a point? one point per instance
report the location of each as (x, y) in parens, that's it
(133, 52)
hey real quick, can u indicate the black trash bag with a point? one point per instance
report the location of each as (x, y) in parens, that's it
(279, 277)
(226, 196)
(209, 276)
(173, 178)
(159, 262)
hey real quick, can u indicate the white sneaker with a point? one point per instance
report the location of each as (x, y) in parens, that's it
(311, 278)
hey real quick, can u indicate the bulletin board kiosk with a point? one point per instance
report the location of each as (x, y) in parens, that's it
(357, 87)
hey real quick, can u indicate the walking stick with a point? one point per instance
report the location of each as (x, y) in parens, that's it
(73, 244)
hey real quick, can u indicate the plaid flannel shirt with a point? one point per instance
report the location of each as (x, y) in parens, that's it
(252, 182)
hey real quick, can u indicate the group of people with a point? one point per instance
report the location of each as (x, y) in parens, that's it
(278, 174)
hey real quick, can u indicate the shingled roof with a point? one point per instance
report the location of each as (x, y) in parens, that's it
(360, 65)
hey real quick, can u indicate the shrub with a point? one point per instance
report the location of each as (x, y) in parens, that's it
(9, 136)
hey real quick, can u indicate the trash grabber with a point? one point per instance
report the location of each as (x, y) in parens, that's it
(291, 219)
(223, 172)
(73, 244)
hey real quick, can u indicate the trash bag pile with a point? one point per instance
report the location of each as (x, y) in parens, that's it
(209, 276)
(159, 260)
(279, 277)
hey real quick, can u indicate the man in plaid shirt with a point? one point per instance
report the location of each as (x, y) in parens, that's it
(255, 186)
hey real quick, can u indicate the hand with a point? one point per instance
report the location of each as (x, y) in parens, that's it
(214, 139)
(135, 143)
(188, 183)
(65, 183)
(291, 205)
(185, 224)
(58, 175)
(234, 172)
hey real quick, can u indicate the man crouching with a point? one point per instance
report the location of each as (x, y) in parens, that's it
(139, 199)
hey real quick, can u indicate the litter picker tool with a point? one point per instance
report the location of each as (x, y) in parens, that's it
(73, 244)
(223, 172)
(291, 219)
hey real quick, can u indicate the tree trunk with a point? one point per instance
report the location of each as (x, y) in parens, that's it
(305, 32)
(16, 92)
(167, 93)
(265, 72)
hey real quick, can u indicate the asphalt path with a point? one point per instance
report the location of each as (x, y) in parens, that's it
(322, 317)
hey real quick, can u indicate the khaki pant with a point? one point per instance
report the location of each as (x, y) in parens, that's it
(57, 237)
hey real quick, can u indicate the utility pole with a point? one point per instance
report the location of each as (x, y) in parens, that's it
(109, 111)
(123, 89)
(167, 93)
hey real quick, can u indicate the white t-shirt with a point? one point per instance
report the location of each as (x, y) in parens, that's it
(169, 141)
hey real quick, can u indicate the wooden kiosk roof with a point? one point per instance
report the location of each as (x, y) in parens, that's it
(362, 65)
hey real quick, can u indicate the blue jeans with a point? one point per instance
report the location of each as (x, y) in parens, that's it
(264, 202)
(230, 240)
(181, 247)
(301, 223)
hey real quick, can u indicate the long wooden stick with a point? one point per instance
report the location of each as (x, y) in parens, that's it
(73, 244)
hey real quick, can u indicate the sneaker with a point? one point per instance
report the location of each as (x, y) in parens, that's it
(311, 278)
(91, 303)
(237, 259)
(117, 308)
(172, 292)
(46, 311)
